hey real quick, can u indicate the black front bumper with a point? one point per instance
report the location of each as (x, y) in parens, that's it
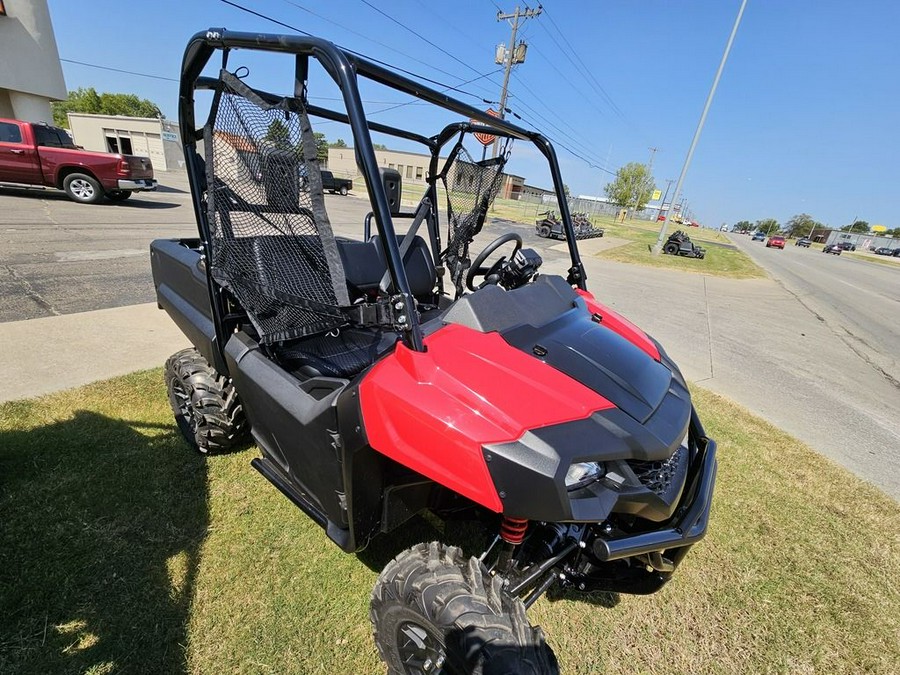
(688, 525)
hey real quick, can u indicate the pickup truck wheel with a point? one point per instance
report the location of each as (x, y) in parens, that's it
(434, 610)
(118, 195)
(206, 406)
(83, 188)
(344, 190)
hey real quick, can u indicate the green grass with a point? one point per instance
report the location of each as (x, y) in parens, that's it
(121, 551)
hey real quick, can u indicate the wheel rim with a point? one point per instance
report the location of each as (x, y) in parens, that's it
(420, 651)
(81, 188)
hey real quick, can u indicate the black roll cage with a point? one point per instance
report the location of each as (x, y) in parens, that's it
(344, 68)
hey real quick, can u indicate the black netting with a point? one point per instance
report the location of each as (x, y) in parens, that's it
(271, 241)
(471, 187)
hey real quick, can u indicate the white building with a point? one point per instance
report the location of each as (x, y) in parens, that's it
(30, 73)
(151, 137)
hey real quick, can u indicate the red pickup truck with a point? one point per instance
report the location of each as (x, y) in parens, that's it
(38, 154)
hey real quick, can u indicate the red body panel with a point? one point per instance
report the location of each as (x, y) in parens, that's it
(432, 411)
(618, 323)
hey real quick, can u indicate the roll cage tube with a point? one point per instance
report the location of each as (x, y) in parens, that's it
(343, 68)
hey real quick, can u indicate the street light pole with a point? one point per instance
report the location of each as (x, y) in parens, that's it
(687, 160)
(669, 182)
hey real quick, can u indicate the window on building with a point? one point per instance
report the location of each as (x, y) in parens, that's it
(419, 172)
(10, 133)
(409, 169)
(391, 165)
(112, 144)
(125, 144)
(400, 169)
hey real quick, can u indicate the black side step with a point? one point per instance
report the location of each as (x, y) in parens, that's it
(275, 476)
(339, 535)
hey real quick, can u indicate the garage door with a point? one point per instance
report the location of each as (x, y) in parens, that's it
(156, 153)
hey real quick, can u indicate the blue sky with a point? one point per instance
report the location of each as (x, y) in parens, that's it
(804, 119)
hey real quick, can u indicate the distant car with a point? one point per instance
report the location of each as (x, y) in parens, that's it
(775, 241)
(803, 241)
(847, 246)
(759, 236)
(883, 250)
(724, 228)
(833, 248)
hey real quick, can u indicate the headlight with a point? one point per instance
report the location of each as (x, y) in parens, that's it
(581, 474)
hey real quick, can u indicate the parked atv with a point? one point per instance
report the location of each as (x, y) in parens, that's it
(395, 374)
(679, 243)
(551, 227)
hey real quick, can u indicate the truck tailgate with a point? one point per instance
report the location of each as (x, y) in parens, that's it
(141, 167)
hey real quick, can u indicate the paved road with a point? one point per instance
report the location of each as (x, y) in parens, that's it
(859, 299)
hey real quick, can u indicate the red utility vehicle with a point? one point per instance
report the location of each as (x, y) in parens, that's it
(776, 242)
(38, 154)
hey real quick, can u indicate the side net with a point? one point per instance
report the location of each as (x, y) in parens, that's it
(271, 242)
(471, 188)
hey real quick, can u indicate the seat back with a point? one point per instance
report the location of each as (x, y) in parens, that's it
(364, 266)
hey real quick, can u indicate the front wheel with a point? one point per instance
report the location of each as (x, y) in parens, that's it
(543, 231)
(434, 610)
(671, 248)
(83, 188)
(344, 191)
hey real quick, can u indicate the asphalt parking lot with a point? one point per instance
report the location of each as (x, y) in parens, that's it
(792, 355)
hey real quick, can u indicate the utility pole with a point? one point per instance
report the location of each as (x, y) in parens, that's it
(512, 54)
(712, 92)
(637, 196)
(662, 204)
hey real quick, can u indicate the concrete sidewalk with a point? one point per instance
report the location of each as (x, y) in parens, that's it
(41, 356)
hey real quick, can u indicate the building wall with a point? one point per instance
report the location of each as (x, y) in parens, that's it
(31, 75)
(144, 136)
(413, 166)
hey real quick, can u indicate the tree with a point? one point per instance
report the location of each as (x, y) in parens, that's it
(380, 146)
(278, 134)
(89, 101)
(769, 225)
(632, 186)
(567, 192)
(339, 143)
(802, 225)
(742, 226)
(858, 226)
(321, 148)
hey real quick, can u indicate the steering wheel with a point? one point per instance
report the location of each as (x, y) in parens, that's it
(477, 270)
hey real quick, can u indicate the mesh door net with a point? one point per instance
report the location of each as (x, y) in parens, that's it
(271, 241)
(471, 187)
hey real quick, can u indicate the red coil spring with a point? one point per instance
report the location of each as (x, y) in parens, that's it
(512, 530)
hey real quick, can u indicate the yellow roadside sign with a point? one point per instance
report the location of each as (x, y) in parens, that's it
(879, 228)
(656, 195)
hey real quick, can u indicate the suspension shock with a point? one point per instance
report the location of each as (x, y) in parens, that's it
(512, 532)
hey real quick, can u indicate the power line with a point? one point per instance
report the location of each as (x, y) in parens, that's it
(596, 85)
(119, 70)
(370, 39)
(448, 87)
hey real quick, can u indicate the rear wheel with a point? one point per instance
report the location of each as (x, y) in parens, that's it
(83, 188)
(206, 406)
(344, 190)
(671, 248)
(434, 610)
(543, 231)
(118, 195)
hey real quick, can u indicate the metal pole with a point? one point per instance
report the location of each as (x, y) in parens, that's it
(669, 182)
(687, 160)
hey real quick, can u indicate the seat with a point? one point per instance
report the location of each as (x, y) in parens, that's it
(344, 354)
(365, 265)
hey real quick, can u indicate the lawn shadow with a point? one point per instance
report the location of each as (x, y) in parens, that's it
(605, 599)
(103, 521)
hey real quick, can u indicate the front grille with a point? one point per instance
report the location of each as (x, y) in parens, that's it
(660, 475)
